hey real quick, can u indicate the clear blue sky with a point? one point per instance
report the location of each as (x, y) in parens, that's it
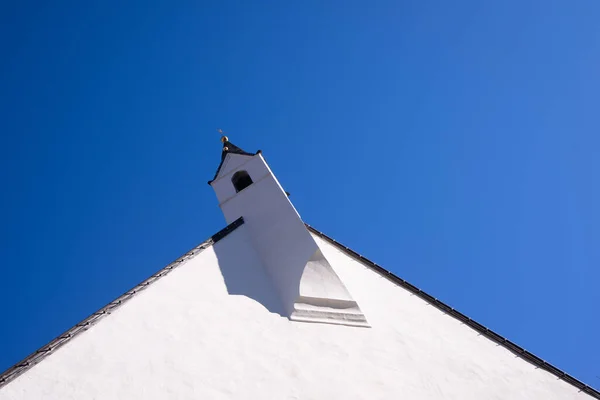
(455, 143)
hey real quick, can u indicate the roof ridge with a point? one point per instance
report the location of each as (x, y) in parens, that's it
(490, 334)
(34, 358)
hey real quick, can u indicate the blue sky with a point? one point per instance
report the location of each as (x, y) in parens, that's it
(454, 143)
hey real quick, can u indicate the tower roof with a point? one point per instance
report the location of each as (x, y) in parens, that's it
(230, 148)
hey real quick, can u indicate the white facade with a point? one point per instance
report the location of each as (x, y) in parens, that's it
(187, 337)
(219, 327)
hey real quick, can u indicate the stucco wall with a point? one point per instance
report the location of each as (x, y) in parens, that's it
(187, 337)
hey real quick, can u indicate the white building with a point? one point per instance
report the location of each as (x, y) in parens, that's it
(269, 308)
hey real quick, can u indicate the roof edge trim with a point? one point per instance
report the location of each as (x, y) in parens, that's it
(446, 309)
(34, 358)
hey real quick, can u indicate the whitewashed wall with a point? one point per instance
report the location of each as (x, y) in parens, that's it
(186, 337)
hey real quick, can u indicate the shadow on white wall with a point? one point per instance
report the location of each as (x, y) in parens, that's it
(243, 273)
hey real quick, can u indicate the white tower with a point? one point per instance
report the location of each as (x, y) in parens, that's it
(308, 287)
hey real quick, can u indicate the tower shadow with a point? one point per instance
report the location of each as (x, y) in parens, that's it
(243, 272)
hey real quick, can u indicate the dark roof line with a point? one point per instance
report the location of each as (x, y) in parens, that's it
(37, 356)
(490, 334)
(229, 147)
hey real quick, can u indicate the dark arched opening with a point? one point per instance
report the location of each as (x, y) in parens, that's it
(241, 180)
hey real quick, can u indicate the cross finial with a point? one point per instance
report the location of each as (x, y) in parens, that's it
(223, 137)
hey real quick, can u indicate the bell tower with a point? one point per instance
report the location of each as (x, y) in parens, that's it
(308, 286)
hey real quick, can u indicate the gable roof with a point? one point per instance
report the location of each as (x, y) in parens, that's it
(37, 356)
(230, 148)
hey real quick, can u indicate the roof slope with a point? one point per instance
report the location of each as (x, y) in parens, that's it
(43, 352)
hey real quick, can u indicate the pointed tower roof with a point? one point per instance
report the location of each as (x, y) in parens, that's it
(229, 148)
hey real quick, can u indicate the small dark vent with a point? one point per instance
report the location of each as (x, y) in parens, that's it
(241, 180)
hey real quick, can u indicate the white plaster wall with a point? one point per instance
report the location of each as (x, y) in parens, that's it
(186, 337)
